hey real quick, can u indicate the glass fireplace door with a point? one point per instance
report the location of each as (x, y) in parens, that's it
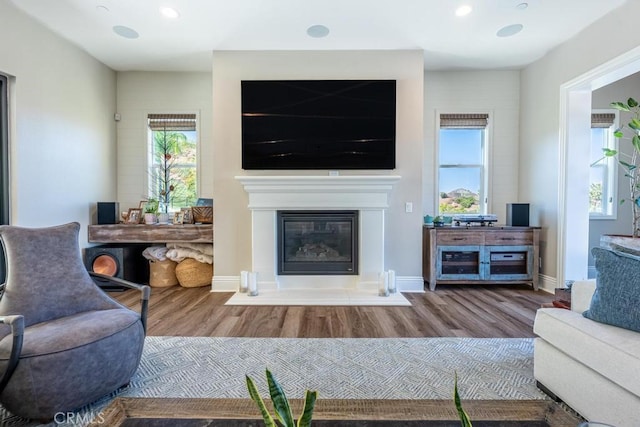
(318, 242)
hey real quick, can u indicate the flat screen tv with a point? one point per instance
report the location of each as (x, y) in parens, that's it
(319, 124)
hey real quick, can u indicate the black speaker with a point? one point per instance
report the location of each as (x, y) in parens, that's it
(124, 262)
(108, 212)
(518, 214)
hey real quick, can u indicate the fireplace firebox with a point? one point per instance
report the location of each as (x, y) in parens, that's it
(317, 242)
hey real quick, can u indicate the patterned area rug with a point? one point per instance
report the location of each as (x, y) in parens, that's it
(363, 368)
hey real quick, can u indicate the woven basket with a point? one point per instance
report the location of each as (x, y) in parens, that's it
(194, 274)
(203, 214)
(162, 274)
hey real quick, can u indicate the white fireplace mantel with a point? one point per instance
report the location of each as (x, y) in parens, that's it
(318, 192)
(369, 194)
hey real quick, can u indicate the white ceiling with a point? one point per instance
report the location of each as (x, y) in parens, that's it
(186, 43)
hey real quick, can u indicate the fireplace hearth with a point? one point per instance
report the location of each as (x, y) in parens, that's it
(317, 242)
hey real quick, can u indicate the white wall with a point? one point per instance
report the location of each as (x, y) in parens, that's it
(62, 142)
(141, 93)
(541, 133)
(493, 92)
(232, 249)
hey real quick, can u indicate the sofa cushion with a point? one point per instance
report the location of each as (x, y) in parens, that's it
(617, 296)
(611, 351)
(70, 332)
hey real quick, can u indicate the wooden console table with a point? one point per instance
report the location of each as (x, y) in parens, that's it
(156, 233)
(496, 254)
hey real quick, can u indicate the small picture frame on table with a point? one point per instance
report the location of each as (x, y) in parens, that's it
(178, 218)
(187, 215)
(134, 217)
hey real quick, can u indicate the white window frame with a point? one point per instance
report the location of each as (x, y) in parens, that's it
(612, 171)
(484, 167)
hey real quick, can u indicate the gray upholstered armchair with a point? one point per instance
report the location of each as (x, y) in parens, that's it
(64, 342)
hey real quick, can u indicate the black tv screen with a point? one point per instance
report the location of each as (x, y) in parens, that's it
(319, 124)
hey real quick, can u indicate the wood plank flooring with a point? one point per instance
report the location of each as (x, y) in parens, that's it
(481, 311)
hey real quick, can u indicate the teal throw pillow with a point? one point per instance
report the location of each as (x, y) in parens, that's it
(616, 300)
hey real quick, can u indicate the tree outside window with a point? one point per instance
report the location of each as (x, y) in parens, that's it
(173, 160)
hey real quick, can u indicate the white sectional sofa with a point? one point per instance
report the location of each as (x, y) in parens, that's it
(593, 367)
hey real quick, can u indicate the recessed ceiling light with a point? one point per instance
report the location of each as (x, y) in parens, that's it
(509, 30)
(522, 6)
(318, 31)
(463, 10)
(169, 12)
(102, 8)
(126, 32)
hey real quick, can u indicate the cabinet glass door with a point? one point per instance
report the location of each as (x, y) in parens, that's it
(509, 262)
(459, 263)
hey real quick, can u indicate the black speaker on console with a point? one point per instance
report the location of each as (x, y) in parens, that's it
(108, 212)
(124, 262)
(518, 214)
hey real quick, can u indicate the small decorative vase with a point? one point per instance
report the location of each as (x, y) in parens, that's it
(150, 218)
(163, 218)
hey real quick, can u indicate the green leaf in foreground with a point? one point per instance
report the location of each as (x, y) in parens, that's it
(279, 399)
(255, 396)
(281, 404)
(465, 421)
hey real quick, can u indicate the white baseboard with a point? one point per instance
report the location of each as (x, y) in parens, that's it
(410, 284)
(225, 283)
(547, 283)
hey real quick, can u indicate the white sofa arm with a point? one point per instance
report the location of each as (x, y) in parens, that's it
(581, 293)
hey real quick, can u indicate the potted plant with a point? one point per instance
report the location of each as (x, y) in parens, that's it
(281, 404)
(150, 210)
(284, 415)
(630, 163)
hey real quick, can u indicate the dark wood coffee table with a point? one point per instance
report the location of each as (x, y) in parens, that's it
(160, 412)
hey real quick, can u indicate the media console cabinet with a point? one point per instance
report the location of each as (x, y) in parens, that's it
(480, 255)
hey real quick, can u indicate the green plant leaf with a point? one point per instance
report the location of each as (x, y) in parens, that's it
(632, 103)
(280, 402)
(619, 106)
(618, 133)
(636, 142)
(465, 421)
(608, 152)
(255, 396)
(307, 412)
(629, 167)
(634, 124)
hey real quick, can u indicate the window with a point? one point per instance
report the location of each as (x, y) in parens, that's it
(173, 160)
(602, 173)
(4, 162)
(462, 163)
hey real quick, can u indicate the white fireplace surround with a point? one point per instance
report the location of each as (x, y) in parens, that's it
(368, 194)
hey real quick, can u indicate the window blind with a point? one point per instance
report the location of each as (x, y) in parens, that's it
(464, 121)
(172, 122)
(602, 120)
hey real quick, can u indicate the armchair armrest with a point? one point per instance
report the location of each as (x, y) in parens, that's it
(581, 293)
(17, 330)
(144, 290)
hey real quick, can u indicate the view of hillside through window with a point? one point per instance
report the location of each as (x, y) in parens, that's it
(461, 170)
